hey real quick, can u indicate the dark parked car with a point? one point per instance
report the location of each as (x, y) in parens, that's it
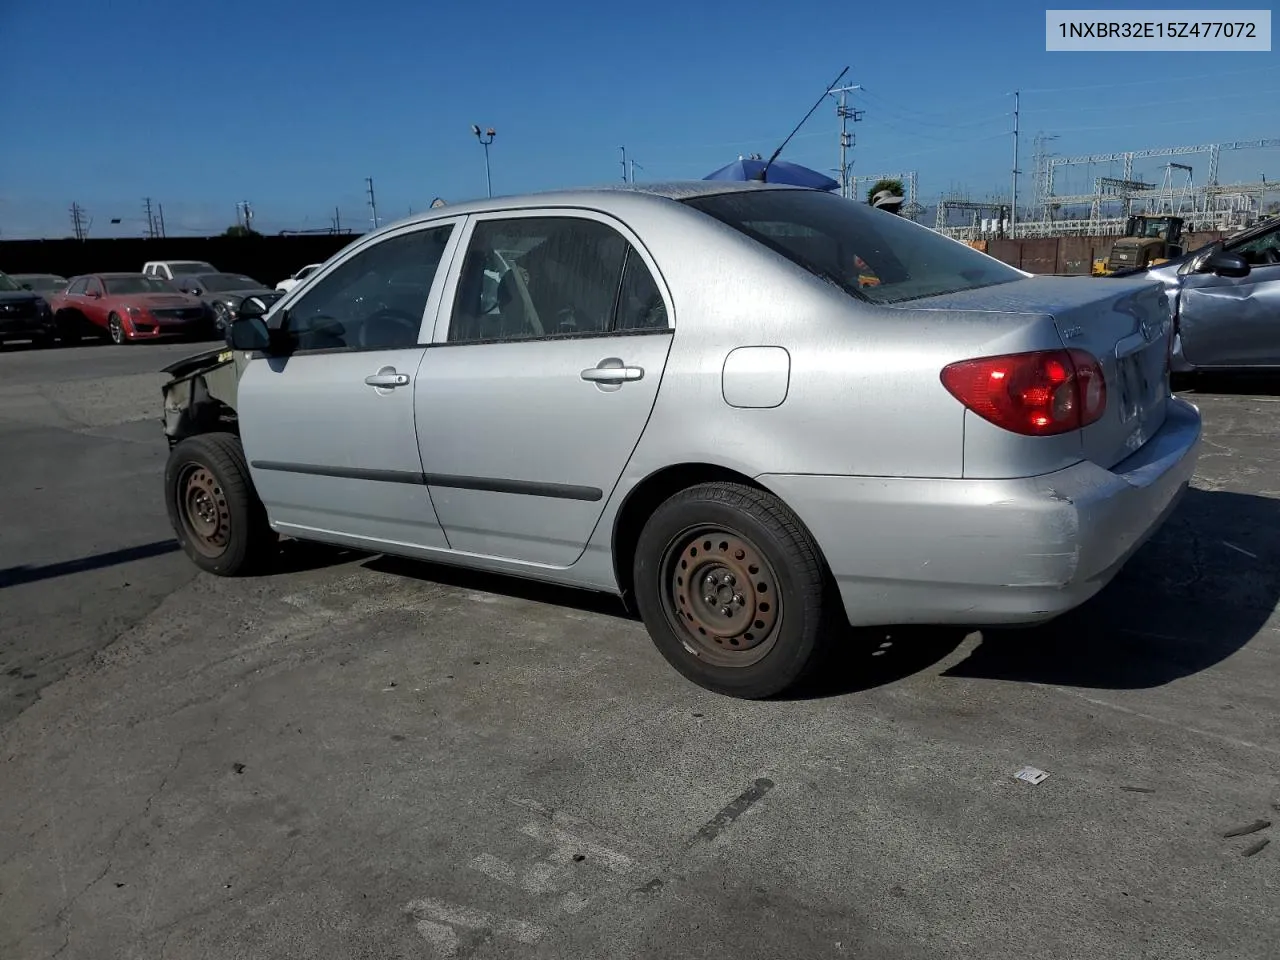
(224, 292)
(24, 314)
(41, 283)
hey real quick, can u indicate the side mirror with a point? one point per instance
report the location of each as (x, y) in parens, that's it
(27, 286)
(249, 334)
(1225, 264)
(251, 308)
(96, 294)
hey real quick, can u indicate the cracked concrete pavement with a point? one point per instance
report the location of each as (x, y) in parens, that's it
(358, 757)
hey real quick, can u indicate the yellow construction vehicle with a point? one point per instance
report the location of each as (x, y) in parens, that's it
(1147, 241)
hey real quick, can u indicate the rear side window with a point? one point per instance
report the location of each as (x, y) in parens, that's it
(868, 253)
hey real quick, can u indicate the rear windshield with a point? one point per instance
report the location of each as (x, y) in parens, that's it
(189, 268)
(138, 284)
(869, 253)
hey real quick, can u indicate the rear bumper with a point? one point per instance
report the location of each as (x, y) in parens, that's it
(986, 552)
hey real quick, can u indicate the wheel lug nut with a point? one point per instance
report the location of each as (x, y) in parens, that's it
(737, 598)
(728, 580)
(726, 611)
(710, 581)
(710, 599)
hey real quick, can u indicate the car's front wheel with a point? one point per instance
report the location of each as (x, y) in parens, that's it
(213, 508)
(116, 330)
(733, 590)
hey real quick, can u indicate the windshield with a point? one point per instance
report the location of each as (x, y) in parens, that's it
(868, 253)
(228, 281)
(139, 284)
(45, 282)
(8, 283)
(187, 268)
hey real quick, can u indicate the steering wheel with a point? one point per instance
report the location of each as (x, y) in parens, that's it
(391, 320)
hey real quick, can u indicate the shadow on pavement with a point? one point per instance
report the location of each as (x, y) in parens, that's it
(298, 556)
(586, 600)
(1200, 590)
(13, 576)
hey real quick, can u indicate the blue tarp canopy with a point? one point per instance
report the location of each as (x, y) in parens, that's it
(780, 171)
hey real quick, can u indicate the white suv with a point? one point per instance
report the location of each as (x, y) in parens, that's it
(284, 286)
(172, 269)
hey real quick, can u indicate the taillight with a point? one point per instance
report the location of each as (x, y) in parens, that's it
(1035, 394)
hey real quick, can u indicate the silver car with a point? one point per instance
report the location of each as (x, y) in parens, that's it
(752, 411)
(1226, 298)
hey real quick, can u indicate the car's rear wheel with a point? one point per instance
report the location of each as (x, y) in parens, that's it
(116, 330)
(213, 508)
(733, 590)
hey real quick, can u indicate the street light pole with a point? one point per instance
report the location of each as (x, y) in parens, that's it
(485, 139)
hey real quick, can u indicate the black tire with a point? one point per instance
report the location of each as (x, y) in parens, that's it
(116, 332)
(776, 632)
(213, 508)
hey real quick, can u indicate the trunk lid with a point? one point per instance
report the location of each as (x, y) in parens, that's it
(1126, 324)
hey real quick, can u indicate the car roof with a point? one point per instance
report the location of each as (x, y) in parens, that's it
(609, 195)
(178, 261)
(56, 276)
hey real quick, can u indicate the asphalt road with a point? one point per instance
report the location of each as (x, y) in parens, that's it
(362, 758)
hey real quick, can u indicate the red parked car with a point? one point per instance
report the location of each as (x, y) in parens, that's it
(127, 307)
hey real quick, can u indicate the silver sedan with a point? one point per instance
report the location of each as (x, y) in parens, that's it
(754, 412)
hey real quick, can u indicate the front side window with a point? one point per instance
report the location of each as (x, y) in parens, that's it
(864, 252)
(535, 277)
(1262, 249)
(79, 287)
(375, 300)
(8, 284)
(94, 285)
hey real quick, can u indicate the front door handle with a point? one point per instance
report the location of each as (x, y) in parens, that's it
(387, 378)
(612, 370)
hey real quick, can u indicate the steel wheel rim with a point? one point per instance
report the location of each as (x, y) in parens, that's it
(708, 570)
(206, 518)
(222, 315)
(116, 327)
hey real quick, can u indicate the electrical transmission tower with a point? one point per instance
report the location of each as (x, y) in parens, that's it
(847, 114)
(77, 220)
(151, 219)
(373, 204)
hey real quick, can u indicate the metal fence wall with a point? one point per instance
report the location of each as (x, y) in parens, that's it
(1066, 255)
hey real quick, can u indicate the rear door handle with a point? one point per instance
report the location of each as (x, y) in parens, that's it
(612, 370)
(387, 379)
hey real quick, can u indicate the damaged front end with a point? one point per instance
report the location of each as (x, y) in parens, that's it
(200, 397)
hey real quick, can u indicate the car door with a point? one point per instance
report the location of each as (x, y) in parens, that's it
(328, 428)
(539, 385)
(94, 304)
(1235, 321)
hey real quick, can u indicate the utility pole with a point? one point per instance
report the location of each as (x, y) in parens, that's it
(160, 219)
(847, 140)
(624, 163)
(151, 220)
(77, 220)
(1013, 206)
(337, 221)
(633, 169)
(373, 204)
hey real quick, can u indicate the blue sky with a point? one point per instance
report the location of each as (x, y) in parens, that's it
(291, 105)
